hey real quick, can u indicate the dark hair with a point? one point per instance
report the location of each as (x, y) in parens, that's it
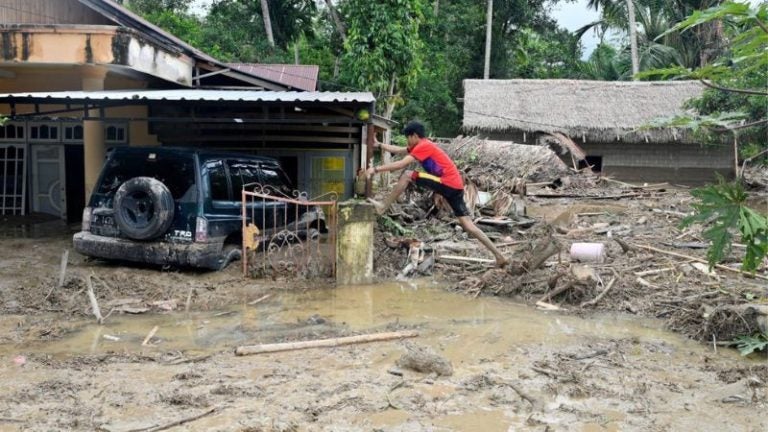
(414, 127)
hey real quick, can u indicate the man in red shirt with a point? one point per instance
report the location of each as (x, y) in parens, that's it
(440, 176)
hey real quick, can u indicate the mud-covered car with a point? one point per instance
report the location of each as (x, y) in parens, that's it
(181, 207)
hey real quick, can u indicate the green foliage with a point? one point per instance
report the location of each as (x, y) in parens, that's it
(749, 344)
(543, 55)
(740, 73)
(722, 209)
(383, 49)
(391, 226)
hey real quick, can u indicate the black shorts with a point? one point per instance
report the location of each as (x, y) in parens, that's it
(455, 197)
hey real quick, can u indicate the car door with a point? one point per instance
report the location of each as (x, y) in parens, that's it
(221, 210)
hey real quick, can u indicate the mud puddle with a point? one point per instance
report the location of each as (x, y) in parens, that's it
(488, 326)
(602, 373)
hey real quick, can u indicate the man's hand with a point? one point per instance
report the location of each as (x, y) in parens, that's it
(376, 144)
(370, 172)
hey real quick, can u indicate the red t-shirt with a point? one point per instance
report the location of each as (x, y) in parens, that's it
(434, 161)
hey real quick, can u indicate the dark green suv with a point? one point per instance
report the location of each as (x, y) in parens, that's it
(182, 207)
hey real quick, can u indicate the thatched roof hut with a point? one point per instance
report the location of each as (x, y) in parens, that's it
(590, 111)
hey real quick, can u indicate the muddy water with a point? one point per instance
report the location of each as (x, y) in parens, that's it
(487, 326)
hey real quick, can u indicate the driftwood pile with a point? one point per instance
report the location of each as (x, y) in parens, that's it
(650, 265)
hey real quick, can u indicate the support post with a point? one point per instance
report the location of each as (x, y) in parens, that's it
(354, 243)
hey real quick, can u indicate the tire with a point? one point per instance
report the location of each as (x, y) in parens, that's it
(143, 208)
(230, 253)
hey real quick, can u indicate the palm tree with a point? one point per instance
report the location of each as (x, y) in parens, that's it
(657, 48)
(267, 22)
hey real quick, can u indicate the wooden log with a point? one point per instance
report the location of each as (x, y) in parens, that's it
(679, 255)
(322, 343)
(176, 423)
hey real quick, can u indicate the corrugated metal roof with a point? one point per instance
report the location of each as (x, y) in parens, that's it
(195, 95)
(302, 77)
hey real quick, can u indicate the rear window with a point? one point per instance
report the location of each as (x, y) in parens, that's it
(177, 172)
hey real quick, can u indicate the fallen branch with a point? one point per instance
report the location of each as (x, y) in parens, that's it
(322, 343)
(92, 297)
(720, 266)
(176, 423)
(149, 336)
(599, 296)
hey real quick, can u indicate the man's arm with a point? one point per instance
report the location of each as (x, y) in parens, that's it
(390, 148)
(394, 166)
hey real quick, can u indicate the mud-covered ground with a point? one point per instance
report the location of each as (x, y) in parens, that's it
(514, 368)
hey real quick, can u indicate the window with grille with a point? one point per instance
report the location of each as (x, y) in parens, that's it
(44, 132)
(12, 132)
(73, 132)
(115, 134)
(12, 179)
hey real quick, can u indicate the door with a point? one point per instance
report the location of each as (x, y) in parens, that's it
(48, 180)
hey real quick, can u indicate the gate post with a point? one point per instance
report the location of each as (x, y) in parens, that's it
(354, 243)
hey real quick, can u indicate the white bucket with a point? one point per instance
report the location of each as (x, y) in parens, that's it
(588, 252)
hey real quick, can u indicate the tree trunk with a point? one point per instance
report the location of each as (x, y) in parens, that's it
(296, 53)
(488, 25)
(267, 22)
(633, 38)
(337, 21)
(390, 108)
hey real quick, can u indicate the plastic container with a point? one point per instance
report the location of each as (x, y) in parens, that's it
(588, 252)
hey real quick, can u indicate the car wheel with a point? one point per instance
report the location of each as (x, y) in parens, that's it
(230, 253)
(143, 208)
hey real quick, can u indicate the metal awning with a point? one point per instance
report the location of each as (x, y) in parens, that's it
(189, 95)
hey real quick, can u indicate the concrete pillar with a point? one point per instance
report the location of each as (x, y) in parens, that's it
(93, 131)
(354, 243)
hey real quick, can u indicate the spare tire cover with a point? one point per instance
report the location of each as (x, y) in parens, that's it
(143, 208)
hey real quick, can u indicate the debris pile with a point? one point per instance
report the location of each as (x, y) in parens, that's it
(575, 241)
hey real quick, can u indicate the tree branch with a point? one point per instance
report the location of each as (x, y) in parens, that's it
(732, 90)
(762, 25)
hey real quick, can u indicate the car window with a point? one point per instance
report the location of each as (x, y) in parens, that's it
(217, 181)
(273, 176)
(242, 173)
(177, 172)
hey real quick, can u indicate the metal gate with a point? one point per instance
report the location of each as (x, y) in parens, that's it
(288, 235)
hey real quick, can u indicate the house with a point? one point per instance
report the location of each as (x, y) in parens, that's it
(80, 76)
(606, 125)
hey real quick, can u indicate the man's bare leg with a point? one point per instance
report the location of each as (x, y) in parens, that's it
(402, 184)
(474, 231)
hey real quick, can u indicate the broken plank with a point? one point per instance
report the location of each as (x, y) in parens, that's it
(322, 343)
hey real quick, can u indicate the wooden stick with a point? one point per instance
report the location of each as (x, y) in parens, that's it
(189, 300)
(599, 296)
(62, 272)
(655, 271)
(63, 268)
(260, 299)
(679, 255)
(176, 423)
(322, 343)
(465, 259)
(92, 298)
(149, 336)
